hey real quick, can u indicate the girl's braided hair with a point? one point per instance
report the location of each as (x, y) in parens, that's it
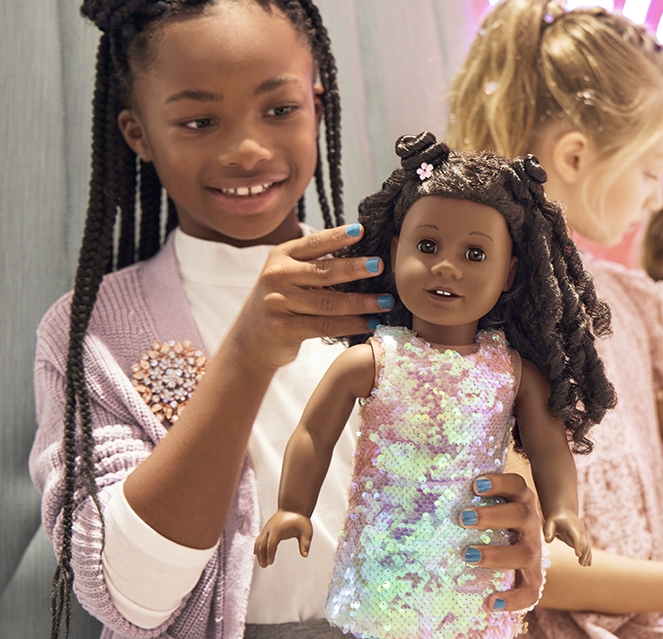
(551, 314)
(122, 186)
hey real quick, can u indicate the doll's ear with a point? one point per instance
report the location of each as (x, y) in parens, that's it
(512, 274)
(134, 134)
(394, 250)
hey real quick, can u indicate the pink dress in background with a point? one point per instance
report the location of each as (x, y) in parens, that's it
(621, 483)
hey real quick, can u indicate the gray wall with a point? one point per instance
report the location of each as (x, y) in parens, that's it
(396, 58)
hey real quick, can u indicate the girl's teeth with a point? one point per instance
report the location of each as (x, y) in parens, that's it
(243, 191)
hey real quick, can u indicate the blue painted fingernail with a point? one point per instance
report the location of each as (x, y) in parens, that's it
(472, 556)
(353, 230)
(499, 604)
(373, 323)
(483, 485)
(469, 518)
(386, 301)
(373, 265)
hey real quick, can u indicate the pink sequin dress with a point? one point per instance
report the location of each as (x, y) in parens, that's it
(436, 421)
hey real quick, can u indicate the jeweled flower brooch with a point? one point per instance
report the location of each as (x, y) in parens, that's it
(166, 376)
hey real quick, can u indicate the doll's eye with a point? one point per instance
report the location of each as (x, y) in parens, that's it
(475, 255)
(427, 246)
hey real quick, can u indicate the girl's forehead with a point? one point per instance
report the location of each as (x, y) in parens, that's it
(236, 34)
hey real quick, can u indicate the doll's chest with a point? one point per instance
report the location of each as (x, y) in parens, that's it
(439, 410)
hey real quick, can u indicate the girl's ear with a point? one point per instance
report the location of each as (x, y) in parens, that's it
(394, 249)
(571, 156)
(512, 274)
(134, 134)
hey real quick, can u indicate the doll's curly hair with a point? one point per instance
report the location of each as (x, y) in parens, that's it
(551, 315)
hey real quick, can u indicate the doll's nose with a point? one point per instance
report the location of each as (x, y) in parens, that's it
(447, 268)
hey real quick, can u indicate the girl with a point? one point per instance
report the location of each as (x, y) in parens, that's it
(468, 241)
(149, 496)
(583, 90)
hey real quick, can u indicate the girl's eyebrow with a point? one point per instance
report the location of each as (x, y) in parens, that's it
(274, 83)
(198, 95)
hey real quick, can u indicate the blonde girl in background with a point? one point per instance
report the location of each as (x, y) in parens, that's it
(583, 91)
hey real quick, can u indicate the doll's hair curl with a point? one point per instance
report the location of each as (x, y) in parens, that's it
(551, 314)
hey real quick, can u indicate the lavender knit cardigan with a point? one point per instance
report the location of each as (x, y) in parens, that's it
(135, 307)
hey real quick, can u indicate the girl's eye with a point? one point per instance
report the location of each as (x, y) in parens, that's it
(281, 111)
(427, 246)
(475, 255)
(198, 124)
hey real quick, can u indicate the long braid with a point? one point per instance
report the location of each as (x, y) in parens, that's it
(332, 110)
(126, 252)
(150, 211)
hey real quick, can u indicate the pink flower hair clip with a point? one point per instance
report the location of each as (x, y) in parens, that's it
(425, 171)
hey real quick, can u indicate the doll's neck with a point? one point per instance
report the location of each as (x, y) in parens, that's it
(454, 337)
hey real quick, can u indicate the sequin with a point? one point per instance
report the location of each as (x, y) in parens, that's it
(427, 428)
(166, 376)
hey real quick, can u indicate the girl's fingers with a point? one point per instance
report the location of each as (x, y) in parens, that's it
(524, 595)
(325, 303)
(515, 557)
(508, 485)
(321, 243)
(512, 515)
(323, 272)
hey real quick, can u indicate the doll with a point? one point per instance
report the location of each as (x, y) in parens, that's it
(491, 337)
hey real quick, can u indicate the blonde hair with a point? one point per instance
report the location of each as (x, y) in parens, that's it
(533, 65)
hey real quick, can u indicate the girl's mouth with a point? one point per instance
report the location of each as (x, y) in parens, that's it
(248, 191)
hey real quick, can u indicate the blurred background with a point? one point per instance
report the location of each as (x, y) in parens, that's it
(396, 59)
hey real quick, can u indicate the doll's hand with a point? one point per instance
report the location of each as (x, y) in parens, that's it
(566, 525)
(520, 515)
(290, 303)
(282, 525)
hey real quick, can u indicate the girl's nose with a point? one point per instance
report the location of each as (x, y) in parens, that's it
(244, 151)
(447, 268)
(655, 202)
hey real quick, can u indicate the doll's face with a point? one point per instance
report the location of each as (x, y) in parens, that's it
(452, 261)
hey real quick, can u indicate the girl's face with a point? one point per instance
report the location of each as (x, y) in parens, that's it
(228, 112)
(452, 261)
(631, 197)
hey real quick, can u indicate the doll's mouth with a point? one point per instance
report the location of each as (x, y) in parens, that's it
(442, 293)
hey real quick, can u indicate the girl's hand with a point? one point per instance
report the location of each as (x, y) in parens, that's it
(290, 304)
(566, 525)
(282, 525)
(520, 515)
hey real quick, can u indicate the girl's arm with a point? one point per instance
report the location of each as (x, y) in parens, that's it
(553, 469)
(309, 450)
(185, 488)
(613, 584)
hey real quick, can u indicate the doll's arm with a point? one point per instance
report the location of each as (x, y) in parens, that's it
(544, 440)
(310, 448)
